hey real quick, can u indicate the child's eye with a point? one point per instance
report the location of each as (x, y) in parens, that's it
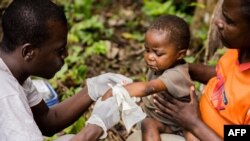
(159, 54)
(146, 49)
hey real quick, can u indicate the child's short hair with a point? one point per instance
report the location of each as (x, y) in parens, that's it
(177, 27)
(26, 21)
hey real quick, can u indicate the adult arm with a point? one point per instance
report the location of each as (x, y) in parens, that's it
(201, 73)
(187, 115)
(52, 120)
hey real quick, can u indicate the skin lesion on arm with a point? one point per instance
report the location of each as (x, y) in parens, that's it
(141, 89)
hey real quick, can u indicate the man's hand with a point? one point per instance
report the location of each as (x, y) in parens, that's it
(98, 85)
(105, 114)
(183, 113)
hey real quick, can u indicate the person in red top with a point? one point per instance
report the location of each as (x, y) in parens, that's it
(225, 99)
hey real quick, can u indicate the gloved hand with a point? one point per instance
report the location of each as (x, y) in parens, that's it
(105, 114)
(98, 85)
(131, 112)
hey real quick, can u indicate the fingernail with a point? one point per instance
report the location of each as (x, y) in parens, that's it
(192, 88)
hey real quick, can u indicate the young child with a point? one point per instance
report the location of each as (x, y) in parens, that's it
(225, 99)
(166, 43)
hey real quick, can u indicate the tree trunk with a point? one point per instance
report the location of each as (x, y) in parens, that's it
(213, 42)
(199, 26)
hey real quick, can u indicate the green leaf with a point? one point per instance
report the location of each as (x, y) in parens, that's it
(189, 59)
(100, 47)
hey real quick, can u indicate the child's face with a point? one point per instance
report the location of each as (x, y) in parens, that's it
(233, 28)
(160, 53)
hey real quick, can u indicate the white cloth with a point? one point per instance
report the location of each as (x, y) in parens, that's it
(131, 112)
(16, 118)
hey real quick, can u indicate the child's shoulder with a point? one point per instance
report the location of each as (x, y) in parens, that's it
(178, 68)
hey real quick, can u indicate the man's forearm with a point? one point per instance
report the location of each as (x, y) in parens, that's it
(74, 107)
(68, 111)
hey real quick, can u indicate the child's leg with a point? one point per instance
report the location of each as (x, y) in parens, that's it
(151, 129)
(189, 136)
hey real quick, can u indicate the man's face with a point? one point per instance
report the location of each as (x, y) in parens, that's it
(233, 28)
(50, 57)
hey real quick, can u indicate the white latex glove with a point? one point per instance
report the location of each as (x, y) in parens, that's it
(105, 114)
(98, 85)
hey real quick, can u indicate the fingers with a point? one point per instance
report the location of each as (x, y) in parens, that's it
(166, 113)
(166, 106)
(173, 100)
(160, 100)
(193, 96)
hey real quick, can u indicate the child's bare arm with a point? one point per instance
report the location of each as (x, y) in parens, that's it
(140, 89)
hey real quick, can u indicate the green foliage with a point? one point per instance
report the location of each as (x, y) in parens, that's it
(87, 31)
(73, 129)
(214, 60)
(189, 59)
(155, 8)
(76, 10)
(135, 36)
(202, 33)
(97, 48)
(197, 5)
(76, 127)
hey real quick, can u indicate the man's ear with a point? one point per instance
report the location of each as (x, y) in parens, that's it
(181, 54)
(28, 52)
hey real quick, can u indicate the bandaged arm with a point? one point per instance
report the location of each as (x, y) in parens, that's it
(141, 89)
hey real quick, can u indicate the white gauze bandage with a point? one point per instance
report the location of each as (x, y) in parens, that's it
(130, 111)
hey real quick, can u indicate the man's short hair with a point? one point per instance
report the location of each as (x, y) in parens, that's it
(26, 21)
(177, 27)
